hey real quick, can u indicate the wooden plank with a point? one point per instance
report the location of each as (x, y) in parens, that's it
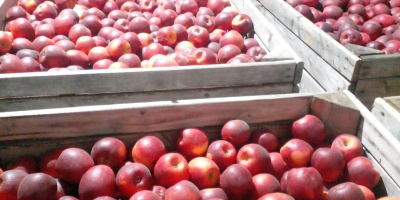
(394, 102)
(388, 116)
(331, 51)
(387, 186)
(374, 66)
(33, 103)
(308, 84)
(330, 79)
(150, 116)
(145, 79)
(362, 51)
(380, 142)
(270, 36)
(4, 6)
(367, 90)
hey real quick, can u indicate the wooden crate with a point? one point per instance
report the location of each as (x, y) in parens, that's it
(366, 72)
(38, 131)
(277, 74)
(387, 112)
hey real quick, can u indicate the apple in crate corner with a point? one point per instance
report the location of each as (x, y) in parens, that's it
(192, 142)
(349, 145)
(369, 195)
(147, 150)
(37, 186)
(362, 172)
(10, 181)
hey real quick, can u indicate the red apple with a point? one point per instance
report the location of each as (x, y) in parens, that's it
(118, 47)
(77, 31)
(264, 184)
(37, 186)
(130, 59)
(170, 169)
(329, 162)
(72, 164)
(6, 42)
(45, 10)
(203, 172)
(18, 44)
(166, 36)
(109, 151)
(30, 64)
(276, 196)
(183, 190)
(234, 187)
(296, 153)
(204, 56)
(187, 6)
(78, 58)
(145, 195)
(369, 195)
(10, 63)
(304, 183)
(346, 190)
(213, 193)
(133, 178)
(227, 52)
(98, 53)
(96, 182)
(224, 21)
(278, 164)
(360, 171)
(48, 162)
(310, 129)
(349, 145)
(255, 158)
(93, 23)
(222, 153)
(53, 56)
(102, 64)
(66, 45)
(236, 132)
(216, 6)
(10, 181)
(198, 36)
(152, 49)
(232, 37)
(22, 28)
(242, 23)
(266, 139)
(118, 65)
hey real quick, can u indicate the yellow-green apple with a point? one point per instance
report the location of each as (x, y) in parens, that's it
(204, 56)
(264, 184)
(147, 150)
(310, 129)
(369, 195)
(304, 183)
(360, 171)
(130, 59)
(266, 139)
(227, 52)
(10, 181)
(66, 45)
(30, 64)
(109, 151)
(349, 145)
(139, 25)
(98, 53)
(145, 195)
(37, 186)
(198, 36)
(216, 6)
(222, 153)
(72, 164)
(170, 169)
(346, 190)
(48, 162)
(242, 23)
(234, 187)
(159, 190)
(276, 196)
(237, 132)
(6, 42)
(96, 182)
(203, 172)
(297, 153)
(41, 42)
(102, 64)
(223, 21)
(183, 190)
(118, 47)
(329, 163)
(278, 164)
(153, 49)
(213, 193)
(187, 6)
(10, 63)
(232, 37)
(22, 28)
(255, 158)
(133, 178)
(93, 23)
(78, 58)
(53, 56)
(118, 65)
(19, 44)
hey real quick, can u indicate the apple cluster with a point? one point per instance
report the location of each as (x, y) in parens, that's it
(69, 35)
(240, 165)
(370, 23)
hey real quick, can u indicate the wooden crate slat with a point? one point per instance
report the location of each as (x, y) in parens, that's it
(333, 52)
(330, 79)
(369, 89)
(133, 80)
(373, 66)
(388, 116)
(308, 84)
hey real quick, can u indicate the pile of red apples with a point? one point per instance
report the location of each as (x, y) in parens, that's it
(68, 35)
(371, 23)
(240, 165)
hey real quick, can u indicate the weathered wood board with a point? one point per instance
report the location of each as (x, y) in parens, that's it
(387, 111)
(37, 132)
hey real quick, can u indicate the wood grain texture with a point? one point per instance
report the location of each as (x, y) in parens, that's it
(373, 66)
(394, 101)
(330, 79)
(388, 116)
(382, 145)
(135, 80)
(367, 90)
(308, 84)
(34, 103)
(327, 48)
(362, 51)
